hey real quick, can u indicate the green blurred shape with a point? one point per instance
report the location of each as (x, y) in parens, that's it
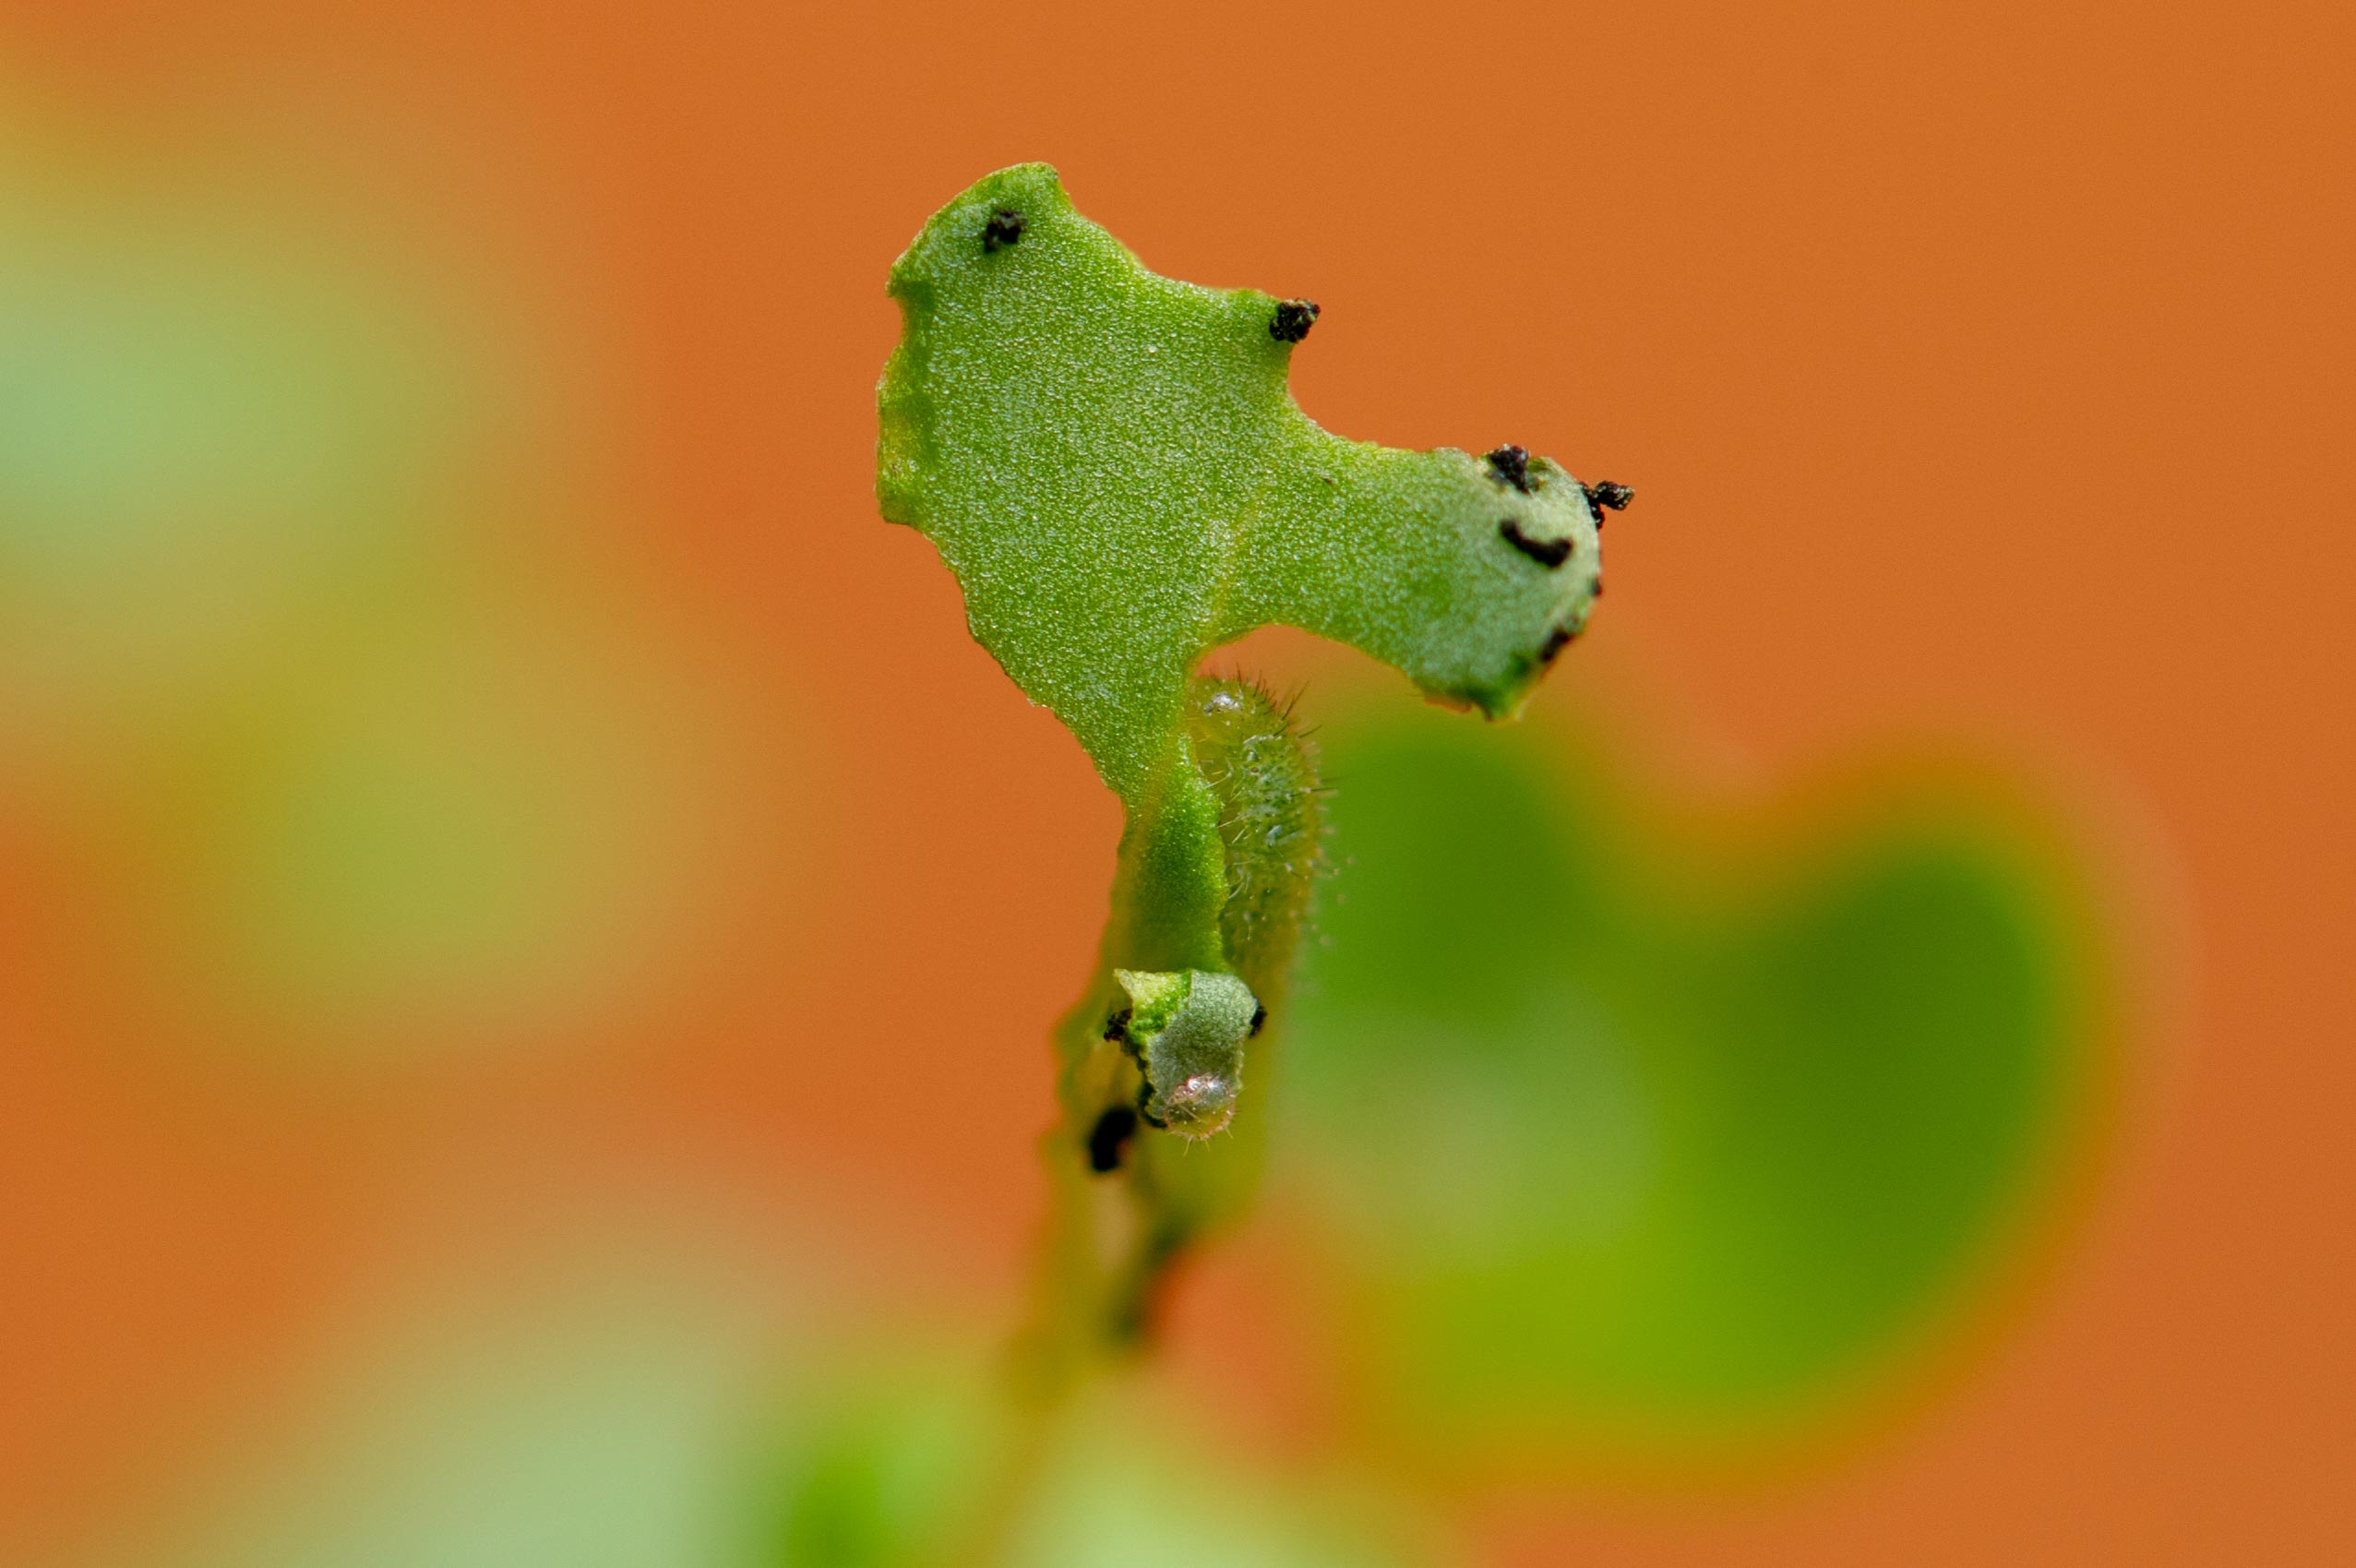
(463, 829)
(1639, 1147)
(637, 1406)
(579, 1420)
(227, 416)
(921, 1467)
(875, 1474)
(274, 633)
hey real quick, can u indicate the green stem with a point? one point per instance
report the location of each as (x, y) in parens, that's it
(1216, 875)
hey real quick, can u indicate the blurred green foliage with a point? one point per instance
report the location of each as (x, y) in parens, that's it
(222, 402)
(647, 1410)
(905, 1468)
(1637, 1139)
(558, 1416)
(351, 768)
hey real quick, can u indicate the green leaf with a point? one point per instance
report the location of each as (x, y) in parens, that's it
(1111, 463)
(1635, 1138)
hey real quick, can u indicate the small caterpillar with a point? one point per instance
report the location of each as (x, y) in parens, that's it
(1259, 765)
(1186, 1029)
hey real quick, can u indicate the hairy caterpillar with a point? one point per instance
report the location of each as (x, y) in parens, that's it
(1259, 765)
(1186, 1029)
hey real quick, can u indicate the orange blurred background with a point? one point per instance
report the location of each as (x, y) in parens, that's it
(1982, 373)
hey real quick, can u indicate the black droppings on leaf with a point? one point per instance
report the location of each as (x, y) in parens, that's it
(1548, 553)
(1556, 641)
(1117, 1027)
(1606, 494)
(1293, 319)
(1258, 1020)
(1005, 227)
(1109, 1139)
(1512, 465)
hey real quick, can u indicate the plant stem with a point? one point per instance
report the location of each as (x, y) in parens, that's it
(1111, 1238)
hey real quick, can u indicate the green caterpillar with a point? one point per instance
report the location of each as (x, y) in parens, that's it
(1186, 1029)
(1248, 749)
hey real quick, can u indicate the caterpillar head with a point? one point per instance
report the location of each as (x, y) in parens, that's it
(1187, 1031)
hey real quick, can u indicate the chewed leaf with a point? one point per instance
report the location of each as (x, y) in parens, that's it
(1113, 466)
